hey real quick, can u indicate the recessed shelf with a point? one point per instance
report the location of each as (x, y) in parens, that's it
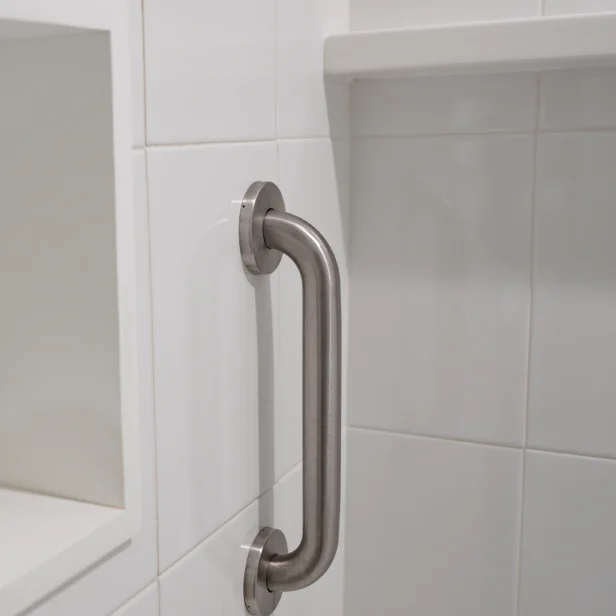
(12, 30)
(531, 44)
(41, 536)
(69, 400)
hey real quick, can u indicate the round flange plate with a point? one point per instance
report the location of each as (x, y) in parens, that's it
(258, 599)
(259, 199)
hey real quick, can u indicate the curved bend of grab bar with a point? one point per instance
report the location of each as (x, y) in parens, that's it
(317, 265)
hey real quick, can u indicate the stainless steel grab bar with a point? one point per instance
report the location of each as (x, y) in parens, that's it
(266, 231)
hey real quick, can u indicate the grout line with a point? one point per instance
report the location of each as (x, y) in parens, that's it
(153, 371)
(356, 138)
(533, 196)
(160, 608)
(230, 519)
(452, 439)
(145, 80)
(538, 101)
(432, 437)
(573, 454)
(575, 131)
(283, 477)
(133, 597)
(490, 134)
(206, 144)
(278, 182)
(276, 71)
(486, 133)
(201, 144)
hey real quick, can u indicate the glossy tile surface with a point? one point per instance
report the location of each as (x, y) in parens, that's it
(441, 105)
(563, 7)
(440, 285)
(115, 581)
(228, 422)
(214, 342)
(573, 347)
(137, 72)
(209, 579)
(210, 70)
(432, 528)
(370, 15)
(144, 604)
(569, 540)
(439, 248)
(305, 106)
(314, 180)
(578, 99)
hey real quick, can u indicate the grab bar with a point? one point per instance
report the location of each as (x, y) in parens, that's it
(266, 231)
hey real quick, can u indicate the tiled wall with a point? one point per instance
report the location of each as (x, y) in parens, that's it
(224, 93)
(374, 14)
(482, 422)
(481, 457)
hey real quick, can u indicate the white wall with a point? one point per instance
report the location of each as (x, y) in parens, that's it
(449, 466)
(481, 465)
(59, 322)
(224, 93)
(376, 14)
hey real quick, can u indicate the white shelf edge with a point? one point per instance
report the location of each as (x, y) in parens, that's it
(48, 540)
(91, 14)
(531, 44)
(19, 30)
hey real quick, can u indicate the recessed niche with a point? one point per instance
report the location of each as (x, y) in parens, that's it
(68, 400)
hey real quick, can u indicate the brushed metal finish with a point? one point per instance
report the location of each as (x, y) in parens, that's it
(317, 264)
(318, 268)
(258, 599)
(260, 198)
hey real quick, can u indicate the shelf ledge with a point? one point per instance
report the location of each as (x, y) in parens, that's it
(531, 44)
(44, 538)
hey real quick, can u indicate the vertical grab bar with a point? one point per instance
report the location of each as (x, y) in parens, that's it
(266, 231)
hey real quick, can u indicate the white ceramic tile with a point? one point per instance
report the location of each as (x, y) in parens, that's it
(107, 586)
(314, 182)
(573, 348)
(314, 179)
(210, 70)
(144, 604)
(440, 105)
(578, 99)
(306, 106)
(214, 342)
(440, 286)
(209, 579)
(383, 14)
(137, 72)
(432, 527)
(569, 536)
(562, 7)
